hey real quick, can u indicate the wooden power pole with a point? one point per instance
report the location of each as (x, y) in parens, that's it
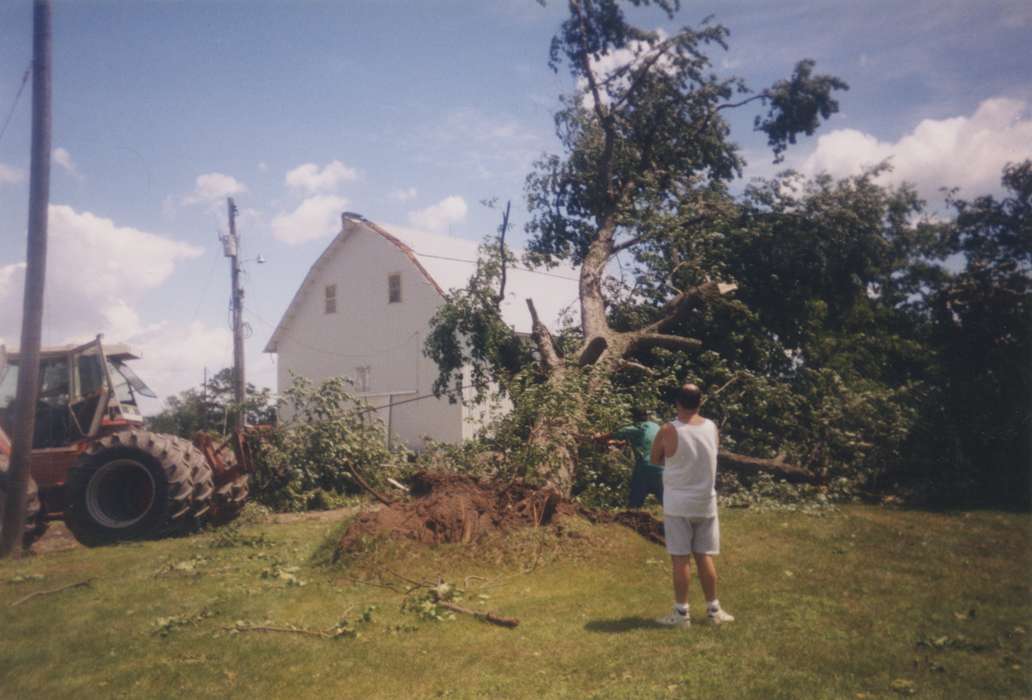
(231, 247)
(35, 277)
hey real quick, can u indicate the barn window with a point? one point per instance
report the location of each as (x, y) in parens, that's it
(364, 378)
(331, 298)
(394, 288)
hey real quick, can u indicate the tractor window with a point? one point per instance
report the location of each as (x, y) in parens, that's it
(53, 382)
(123, 390)
(53, 421)
(91, 375)
(127, 384)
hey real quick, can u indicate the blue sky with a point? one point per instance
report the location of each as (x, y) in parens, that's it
(410, 113)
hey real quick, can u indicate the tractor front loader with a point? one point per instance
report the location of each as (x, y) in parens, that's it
(97, 468)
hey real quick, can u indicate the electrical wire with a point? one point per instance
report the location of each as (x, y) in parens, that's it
(331, 353)
(204, 289)
(21, 89)
(515, 267)
(395, 404)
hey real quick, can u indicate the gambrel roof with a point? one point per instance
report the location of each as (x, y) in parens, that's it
(447, 263)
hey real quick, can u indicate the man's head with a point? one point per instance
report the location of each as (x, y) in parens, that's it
(640, 414)
(688, 397)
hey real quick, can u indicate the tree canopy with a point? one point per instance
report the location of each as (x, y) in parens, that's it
(825, 317)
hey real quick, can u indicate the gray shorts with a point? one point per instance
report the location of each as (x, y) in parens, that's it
(691, 535)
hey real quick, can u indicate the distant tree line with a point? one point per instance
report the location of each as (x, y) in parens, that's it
(211, 408)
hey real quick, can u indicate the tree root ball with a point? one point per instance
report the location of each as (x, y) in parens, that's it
(454, 508)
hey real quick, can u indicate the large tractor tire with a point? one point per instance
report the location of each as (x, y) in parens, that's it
(130, 485)
(230, 497)
(203, 484)
(35, 525)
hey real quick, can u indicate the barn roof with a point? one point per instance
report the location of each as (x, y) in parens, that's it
(448, 263)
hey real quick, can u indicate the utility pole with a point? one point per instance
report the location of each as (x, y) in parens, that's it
(231, 245)
(35, 277)
(204, 400)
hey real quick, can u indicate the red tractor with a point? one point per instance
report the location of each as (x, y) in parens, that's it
(97, 468)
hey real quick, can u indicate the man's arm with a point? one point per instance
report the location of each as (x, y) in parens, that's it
(659, 445)
(628, 433)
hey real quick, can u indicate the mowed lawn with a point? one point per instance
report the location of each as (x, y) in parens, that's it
(859, 603)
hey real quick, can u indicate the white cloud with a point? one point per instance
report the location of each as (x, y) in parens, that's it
(10, 175)
(173, 356)
(965, 152)
(316, 217)
(212, 187)
(404, 194)
(437, 218)
(96, 271)
(312, 179)
(63, 158)
(263, 167)
(607, 63)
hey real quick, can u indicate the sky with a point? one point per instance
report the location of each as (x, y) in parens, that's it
(412, 113)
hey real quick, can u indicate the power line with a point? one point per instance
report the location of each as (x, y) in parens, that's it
(395, 404)
(21, 89)
(204, 289)
(525, 269)
(331, 353)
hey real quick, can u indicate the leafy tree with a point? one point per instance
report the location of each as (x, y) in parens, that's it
(983, 333)
(645, 165)
(211, 408)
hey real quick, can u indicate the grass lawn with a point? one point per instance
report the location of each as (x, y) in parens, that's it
(860, 603)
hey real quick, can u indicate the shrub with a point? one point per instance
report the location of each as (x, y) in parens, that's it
(310, 461)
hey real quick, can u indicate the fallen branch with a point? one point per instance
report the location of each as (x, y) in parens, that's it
(488, 617)
(397, 485)
(416, 584)
(30, 596)
(741, 464)
(377, 584)
(362, 482)
(287, 630)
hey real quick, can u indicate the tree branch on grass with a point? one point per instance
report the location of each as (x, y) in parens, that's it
(37, 594)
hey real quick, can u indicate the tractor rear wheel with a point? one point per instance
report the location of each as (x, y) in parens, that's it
(35, 526)
(130, 485)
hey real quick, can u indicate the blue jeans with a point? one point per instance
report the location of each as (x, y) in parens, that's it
(645, 480)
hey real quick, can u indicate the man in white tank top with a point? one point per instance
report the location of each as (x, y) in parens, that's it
(687, 449)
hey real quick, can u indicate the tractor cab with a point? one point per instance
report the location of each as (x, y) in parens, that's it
(84, 391)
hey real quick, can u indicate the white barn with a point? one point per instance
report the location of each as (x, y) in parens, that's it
(363, 312)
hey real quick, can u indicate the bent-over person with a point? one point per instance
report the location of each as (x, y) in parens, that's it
(647, 477)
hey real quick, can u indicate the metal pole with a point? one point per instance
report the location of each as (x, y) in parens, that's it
(239, 387)
(35, 274)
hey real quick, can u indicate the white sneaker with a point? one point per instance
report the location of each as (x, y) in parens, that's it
(719, 617)
(675, 619)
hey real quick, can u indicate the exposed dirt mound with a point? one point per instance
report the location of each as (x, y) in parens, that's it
(453, 508)
(447, 507)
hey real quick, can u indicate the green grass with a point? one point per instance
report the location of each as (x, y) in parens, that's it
(827, 607)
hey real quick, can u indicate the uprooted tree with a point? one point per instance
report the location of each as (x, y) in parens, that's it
(644, 171)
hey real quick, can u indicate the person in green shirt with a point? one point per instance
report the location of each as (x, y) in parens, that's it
(647, 477)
